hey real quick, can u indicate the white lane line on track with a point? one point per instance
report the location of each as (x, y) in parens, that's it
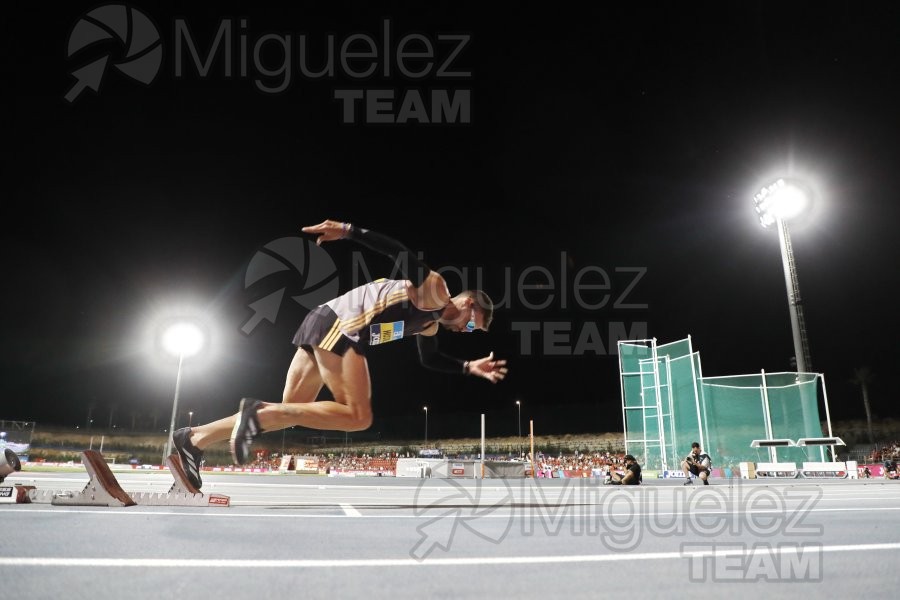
(411, 562)
(350, 511)
(425, 512)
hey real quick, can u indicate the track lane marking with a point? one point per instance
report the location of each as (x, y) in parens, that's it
(216, 563)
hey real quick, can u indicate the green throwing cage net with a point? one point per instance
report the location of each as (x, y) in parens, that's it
(667, 404)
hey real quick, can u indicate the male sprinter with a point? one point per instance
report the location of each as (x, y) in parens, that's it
(331, 345)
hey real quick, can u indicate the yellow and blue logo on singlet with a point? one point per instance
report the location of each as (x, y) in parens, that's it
(382, 333)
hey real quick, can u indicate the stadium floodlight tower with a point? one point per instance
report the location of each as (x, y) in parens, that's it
(183, 339)
(776, 203)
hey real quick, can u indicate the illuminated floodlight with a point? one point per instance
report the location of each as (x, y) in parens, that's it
(780, 200)
(183, 338)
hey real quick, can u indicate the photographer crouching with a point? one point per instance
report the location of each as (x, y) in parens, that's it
(696, 463)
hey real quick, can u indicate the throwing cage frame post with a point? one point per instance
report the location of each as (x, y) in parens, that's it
(827, 414)
(654, 402)
(767, 416)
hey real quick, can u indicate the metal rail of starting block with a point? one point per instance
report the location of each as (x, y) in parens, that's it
(182, 493)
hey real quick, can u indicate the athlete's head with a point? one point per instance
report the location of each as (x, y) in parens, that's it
(695, 448)
(469, 310)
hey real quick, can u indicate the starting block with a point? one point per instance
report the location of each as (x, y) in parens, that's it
(182, 493)
(103, 489)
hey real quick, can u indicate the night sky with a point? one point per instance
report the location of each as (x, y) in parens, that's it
(620, 143)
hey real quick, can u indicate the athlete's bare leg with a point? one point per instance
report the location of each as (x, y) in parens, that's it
(347, 377)
(302, 385)
(303, 382)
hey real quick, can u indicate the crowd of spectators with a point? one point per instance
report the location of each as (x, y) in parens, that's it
(382, 463)
(386, 463)
(889, 455)
(889, 452)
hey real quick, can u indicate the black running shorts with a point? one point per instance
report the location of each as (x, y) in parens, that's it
(321, 329)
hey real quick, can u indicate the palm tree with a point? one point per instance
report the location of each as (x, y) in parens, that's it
(863, 376)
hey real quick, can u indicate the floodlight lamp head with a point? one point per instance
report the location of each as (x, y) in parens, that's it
(183, 339)
(780, 201)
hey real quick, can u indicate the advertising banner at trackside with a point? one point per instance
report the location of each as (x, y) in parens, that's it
(875, 471)
(306, 465)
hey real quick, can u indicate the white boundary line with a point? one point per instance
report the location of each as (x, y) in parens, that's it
(350, 511)
(434, 562)
(426, 512)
